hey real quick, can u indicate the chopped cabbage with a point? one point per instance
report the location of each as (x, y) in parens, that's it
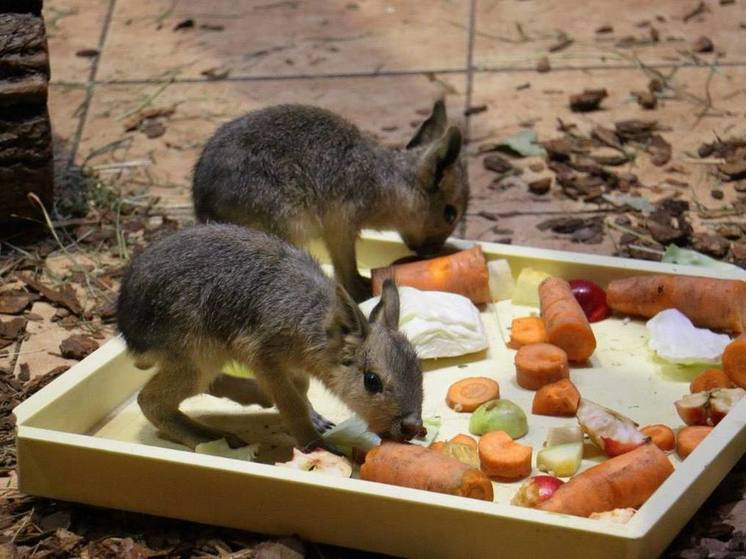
(674, 338)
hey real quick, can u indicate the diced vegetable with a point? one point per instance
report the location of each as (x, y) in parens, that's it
(351, 434)
(662, 436)
(527, 330)
(503, 458)
(710, 379)
(688, 438)
(468, 394)
(462, 452)
(535, 490)
(559, 398)
(734, 361)
(564, 435)
(540, 364)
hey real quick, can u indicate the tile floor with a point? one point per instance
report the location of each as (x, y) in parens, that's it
(381, 63)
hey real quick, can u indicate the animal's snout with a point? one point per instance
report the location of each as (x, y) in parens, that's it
(411, 426)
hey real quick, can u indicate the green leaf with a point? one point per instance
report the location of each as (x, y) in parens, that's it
(523, 143)
(678, 255)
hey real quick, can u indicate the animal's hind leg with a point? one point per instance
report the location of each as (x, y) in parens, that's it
(242, 390)
(159, 401)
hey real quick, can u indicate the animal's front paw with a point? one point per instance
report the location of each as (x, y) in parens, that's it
(321, 423)
(319, 443)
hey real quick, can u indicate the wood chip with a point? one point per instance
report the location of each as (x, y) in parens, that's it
(65, 296)
(77, 346)
(15, 301)
(587, 101)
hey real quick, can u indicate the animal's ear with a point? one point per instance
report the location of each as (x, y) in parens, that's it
(348, 317)
(432, 128)
(438, 158)
(386, 312)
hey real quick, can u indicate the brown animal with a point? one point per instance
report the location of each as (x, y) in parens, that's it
(303, 172)
(213, 293)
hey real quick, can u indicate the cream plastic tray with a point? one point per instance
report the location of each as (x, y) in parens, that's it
(83, 438)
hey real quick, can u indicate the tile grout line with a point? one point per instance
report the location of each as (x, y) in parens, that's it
(394, 73)
(91, 84)
(470, 66)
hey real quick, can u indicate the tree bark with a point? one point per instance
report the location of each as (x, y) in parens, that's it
(26, 159)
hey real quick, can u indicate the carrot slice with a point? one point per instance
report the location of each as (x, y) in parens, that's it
(627, 480)
(559, 398)
(710, 379)
(566, 323)
(540, 364)
(464, 272)
(527, 330)
(734, 360)
(423, 468)
(437, 445)
(503, 458)
(713, 303)
(465, 439)
(468, 394)
(689, 437)
(661, 435)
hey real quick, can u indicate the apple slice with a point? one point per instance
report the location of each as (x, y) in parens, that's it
(611, 431)
(693, 409)
(321, 461)
(562, 460)
(535, 490)
(564, 435)
(722, 400)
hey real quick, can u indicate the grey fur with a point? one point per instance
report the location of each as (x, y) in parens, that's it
(302, 172)
(211, 293)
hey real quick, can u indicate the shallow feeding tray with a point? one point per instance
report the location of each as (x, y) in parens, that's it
(82, 438)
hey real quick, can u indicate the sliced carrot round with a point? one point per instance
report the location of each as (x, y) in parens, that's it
(527, 330)
(540, 364)
(661, 435)
(468, 394)
(689, 438)
(500, 457)
(559, 398)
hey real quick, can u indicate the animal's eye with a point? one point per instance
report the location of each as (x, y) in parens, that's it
(450, 213)
(372, 382)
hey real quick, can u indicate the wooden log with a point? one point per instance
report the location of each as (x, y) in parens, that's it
(26, 159)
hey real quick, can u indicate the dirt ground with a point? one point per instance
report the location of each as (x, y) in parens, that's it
(601, 126)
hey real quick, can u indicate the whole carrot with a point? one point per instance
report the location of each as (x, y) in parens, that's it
(424, 468)
(627, 480)
(712, 303)
(464, 272)
(566, 324)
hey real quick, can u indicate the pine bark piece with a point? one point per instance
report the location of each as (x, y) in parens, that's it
(26, 161)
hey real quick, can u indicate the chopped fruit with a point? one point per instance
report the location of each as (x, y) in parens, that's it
(708, 407)
(693, 409)
(535, 490)
(465, 439)
(618, 516)
(661, 435)
(526, 290)
(561, 460)
(592, 299)
(321, 461)
(564, 435)
(499, 415)
(612, 432)
(722, 401)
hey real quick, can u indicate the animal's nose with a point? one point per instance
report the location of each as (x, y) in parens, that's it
(411, 425)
